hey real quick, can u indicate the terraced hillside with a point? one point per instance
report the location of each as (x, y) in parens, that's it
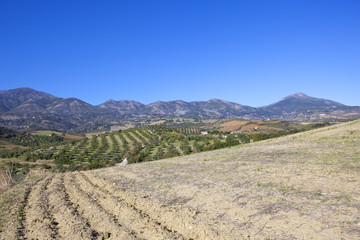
(302, 186)
(135, 144)
(103, 149)
(140, 144)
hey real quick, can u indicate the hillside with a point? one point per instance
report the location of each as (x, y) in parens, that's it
(139, 144)
(25, 108)
(301, 107)
(8, 136)
(24, 99)
(302, 186)
(236, 125)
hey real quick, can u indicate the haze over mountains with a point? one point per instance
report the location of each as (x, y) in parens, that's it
(28, 108)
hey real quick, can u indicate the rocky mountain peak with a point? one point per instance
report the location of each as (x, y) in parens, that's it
(299, 95)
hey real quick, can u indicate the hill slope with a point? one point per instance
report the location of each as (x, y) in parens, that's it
(214, 108)
(301, 107)
(303, 101)
(26, 108)
(123, 108)
(301, 186)
(24, 99)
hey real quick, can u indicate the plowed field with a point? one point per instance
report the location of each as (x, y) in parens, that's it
(81, 206)
(303, 186)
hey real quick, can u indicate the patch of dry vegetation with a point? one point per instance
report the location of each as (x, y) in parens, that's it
(232, 125)
(302, 186)
(253, 126)
(12, 203)
(5, 179)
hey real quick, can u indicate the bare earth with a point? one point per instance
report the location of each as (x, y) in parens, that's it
(303, 186)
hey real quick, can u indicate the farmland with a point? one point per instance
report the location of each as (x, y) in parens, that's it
(136, 144)
(254, 126)
(140, 144)
(49, 133)
(300, 186)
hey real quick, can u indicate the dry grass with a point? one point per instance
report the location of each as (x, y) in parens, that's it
(302, 186)
(5, 179)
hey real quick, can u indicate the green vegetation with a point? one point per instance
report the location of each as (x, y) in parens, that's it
(45, 133)
(29, 140)
(139, 144)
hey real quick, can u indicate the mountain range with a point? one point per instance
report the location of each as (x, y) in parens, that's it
(26, 108)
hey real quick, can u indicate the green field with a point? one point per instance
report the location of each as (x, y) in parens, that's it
(46, 133)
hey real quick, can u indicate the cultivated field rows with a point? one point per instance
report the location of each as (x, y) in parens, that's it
(116, 146)
(82, 206)
(303, 186)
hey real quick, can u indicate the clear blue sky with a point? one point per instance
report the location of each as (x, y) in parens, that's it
(249, 52)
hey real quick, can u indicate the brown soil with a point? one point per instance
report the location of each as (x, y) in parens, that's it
(232, 125)
(302, 186)
(241, 126)
(259, 128)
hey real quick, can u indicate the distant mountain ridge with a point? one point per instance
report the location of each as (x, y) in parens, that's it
(304, 100)
(10, 100)
(301, 107)
(28, 108)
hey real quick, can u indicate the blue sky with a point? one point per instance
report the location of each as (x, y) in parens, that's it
(249, 52)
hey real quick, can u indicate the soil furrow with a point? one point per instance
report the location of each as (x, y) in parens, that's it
(71, 225)
(128, 216)
(39, 222)
(104, 224)
(182, 222)
(21, 214)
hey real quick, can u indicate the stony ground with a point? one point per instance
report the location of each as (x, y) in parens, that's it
(303, 186)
